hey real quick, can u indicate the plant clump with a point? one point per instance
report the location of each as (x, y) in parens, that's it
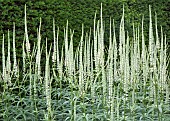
(128, 81)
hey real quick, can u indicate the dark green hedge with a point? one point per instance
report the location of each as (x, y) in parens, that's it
(77, 12)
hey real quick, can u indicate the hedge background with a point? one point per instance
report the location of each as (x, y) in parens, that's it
(77, 12)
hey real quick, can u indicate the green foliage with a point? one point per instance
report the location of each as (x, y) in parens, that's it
(128, 81)
(77, 13)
